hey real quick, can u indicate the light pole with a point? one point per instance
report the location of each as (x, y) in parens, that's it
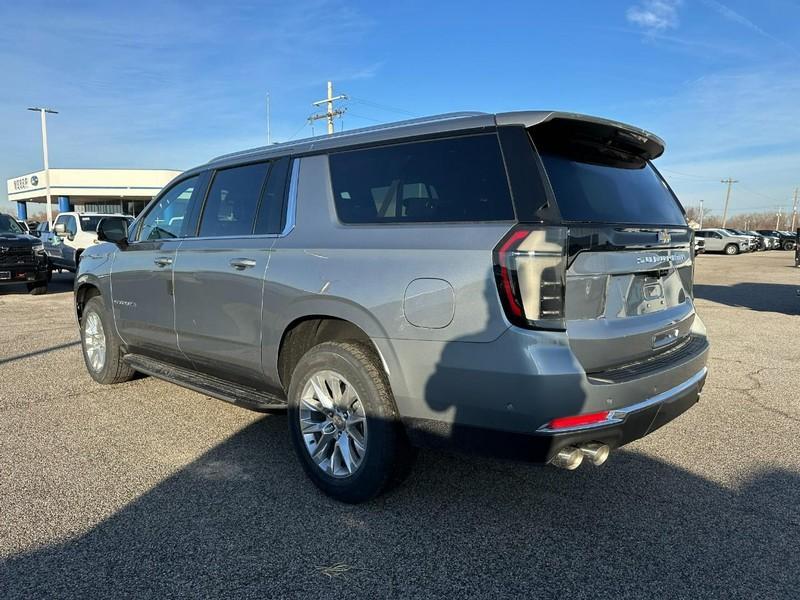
(701, 214)
(43, 112)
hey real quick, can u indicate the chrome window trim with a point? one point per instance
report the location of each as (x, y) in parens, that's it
(618, 415)
(291, 209)
(291, 201)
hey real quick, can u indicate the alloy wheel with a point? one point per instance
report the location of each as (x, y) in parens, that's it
(94, 341)
(333, 424)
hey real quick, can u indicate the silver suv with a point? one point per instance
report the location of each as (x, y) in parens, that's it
(517, 284)
(722, 240)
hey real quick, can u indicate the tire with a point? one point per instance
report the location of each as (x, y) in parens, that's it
(105, 367)
(365, 423)
(38, 288)
(787, 245)
(731, 249)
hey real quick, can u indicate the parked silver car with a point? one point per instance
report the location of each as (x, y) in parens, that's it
(517, 284)
(722, 240)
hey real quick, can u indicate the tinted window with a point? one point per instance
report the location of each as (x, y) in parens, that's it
(270, 210)
(614, 192)
(166, 218)
(232, 201)
(456, 179)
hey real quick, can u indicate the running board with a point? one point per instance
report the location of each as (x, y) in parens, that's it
(234, 393)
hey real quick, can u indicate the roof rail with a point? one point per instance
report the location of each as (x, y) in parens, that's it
(351, 132)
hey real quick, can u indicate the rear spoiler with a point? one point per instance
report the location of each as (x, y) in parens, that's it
(638, 141)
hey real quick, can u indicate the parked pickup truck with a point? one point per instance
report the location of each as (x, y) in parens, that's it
(72, 233)
(22, 257)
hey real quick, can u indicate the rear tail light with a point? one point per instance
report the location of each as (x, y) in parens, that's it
(530, 270)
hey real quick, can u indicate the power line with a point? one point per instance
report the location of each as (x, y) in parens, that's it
(352, 114)
(773, 199)
(383, 106)
(698, 177)
(303, 126)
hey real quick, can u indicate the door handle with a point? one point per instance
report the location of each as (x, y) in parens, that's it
(163, 261)
(240, 264)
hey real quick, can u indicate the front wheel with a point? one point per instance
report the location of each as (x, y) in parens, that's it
(731, 249)
(101, 349)
(344, 423)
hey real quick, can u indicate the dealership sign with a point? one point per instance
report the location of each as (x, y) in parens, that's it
(24, 183)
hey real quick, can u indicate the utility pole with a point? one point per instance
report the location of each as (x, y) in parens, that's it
(330, 113)
(794, 210)
(730, 182)
(702, 212)
(269, 136)
(778, 222)
(43, 112)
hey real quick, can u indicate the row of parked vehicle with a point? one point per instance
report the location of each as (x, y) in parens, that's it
(26, 259)
(736, 241)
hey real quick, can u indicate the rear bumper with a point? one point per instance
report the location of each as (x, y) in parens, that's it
(622, 427)
(496, 398)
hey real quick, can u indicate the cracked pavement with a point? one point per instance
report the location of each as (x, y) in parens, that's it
(148, 490)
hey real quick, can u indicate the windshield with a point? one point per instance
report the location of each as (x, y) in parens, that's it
(90, 222)
(9, 225)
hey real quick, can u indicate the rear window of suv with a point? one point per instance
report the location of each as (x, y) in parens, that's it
(611, 192)
(445, 180)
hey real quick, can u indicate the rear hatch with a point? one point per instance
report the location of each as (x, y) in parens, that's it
(629, 251)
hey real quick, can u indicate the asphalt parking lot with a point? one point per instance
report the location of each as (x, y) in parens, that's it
(149, 490)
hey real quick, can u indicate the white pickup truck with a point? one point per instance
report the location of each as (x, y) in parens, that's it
(72, 233)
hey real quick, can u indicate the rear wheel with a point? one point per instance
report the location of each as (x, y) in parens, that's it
(731, 249)
(101, 348)
(344, 424)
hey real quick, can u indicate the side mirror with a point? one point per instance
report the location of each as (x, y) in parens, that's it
(114, 230)
(60, 229)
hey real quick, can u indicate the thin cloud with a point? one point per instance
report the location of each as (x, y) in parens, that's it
(654, 15)
(735, 17)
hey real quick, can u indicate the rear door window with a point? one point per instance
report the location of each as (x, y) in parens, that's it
(447, 180)
(232, 201)
(610, 190)
(270, 211)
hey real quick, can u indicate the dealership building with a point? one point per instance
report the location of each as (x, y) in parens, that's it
(89, 190)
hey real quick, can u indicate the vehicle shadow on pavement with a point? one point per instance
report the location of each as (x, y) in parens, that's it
(764, 297)
(243, 520)
(60, 284)
(39, 352)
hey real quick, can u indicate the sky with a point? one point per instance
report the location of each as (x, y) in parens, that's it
(170, 84)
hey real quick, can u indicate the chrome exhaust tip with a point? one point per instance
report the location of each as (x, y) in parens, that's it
(569, 458)
(596, 452)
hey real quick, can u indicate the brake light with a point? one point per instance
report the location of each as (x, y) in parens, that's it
(578, 420)
(530, 271)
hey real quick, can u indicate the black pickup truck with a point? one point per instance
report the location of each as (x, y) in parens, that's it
(22, 257)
